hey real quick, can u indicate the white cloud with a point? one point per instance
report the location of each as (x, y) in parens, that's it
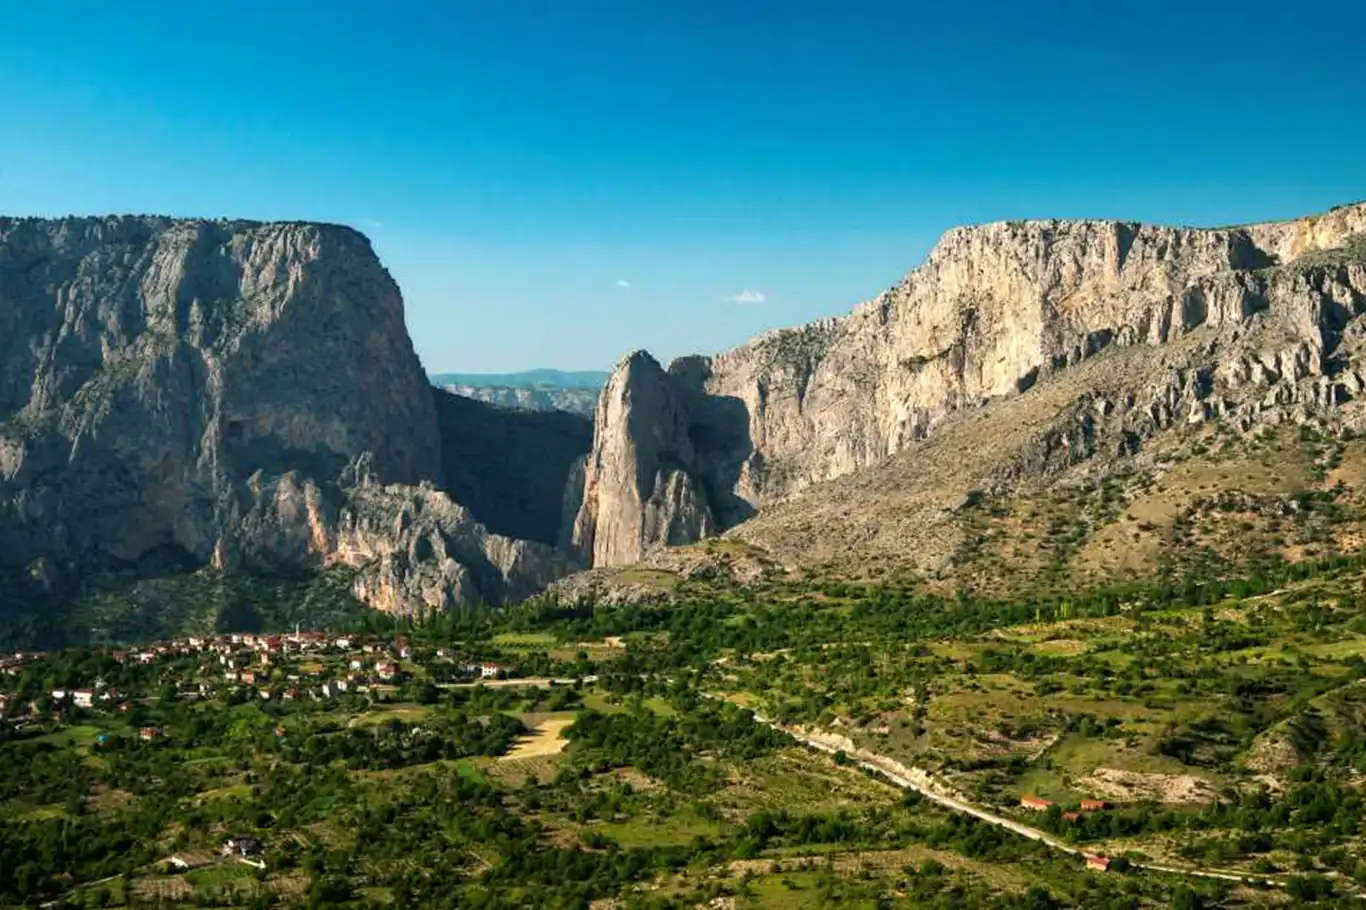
(746, 297)
(623, 284)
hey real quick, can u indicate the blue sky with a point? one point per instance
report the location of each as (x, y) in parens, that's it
(557, 182)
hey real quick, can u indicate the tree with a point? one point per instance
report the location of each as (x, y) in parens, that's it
(1186, 898)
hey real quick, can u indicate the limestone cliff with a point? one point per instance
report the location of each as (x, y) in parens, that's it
(229, 392)
(639, 487)
(994, 310)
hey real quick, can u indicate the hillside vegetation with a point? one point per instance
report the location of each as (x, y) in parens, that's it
(1215, 718)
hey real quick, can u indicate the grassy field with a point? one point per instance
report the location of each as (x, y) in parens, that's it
(81, 735)
(408, 713)
(537, 640)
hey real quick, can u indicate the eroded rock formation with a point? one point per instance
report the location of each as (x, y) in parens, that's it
(234, 393)
(639, 484)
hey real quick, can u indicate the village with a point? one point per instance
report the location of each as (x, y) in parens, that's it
(301, 665)
(107, 701)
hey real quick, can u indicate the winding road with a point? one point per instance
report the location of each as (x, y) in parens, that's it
(919, 780)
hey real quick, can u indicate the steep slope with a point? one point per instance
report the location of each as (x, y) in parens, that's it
(640, 487)
(1261, 318)
(174, 393)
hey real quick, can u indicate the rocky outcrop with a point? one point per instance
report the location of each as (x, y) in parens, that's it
(227, 392)
(993, 311)
(414, 546)
(639, 484)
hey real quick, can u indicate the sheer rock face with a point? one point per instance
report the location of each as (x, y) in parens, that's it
(208, 391)
(639, 486)
(993, 310)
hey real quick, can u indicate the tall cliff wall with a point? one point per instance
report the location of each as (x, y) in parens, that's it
(992, 311)
(227, 392)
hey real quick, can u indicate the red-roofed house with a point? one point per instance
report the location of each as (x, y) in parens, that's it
(1033, 802)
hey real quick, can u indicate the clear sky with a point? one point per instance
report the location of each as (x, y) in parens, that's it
(556, 182)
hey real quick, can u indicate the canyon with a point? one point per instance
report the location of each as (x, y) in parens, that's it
(179, 394)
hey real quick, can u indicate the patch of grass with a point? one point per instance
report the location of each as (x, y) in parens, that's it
(405, 713)
(602, 703)
(240, 791)
(1048, 784)
(525, 639)
(660, 706)
(655, 831)
(80, 735)
(44, 813)
(1061, 647)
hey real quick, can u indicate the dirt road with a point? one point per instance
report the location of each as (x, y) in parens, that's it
(919, 780)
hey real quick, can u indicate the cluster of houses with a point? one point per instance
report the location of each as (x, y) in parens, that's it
(285, 667)
(243, 849)
(1043, 805)
(1037, 804)
(13, 664)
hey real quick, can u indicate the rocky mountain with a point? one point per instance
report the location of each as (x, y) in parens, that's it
(1032, 345)
(574, 401)
(181, 393)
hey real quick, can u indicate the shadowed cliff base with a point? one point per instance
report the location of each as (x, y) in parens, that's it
(509, 467)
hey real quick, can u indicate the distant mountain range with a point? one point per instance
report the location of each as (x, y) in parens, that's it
(591, 380)
(532, 390)
(574, 401)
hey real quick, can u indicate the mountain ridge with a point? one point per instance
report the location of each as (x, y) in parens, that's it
(581, 402)
(994, 310)
(242, 395)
